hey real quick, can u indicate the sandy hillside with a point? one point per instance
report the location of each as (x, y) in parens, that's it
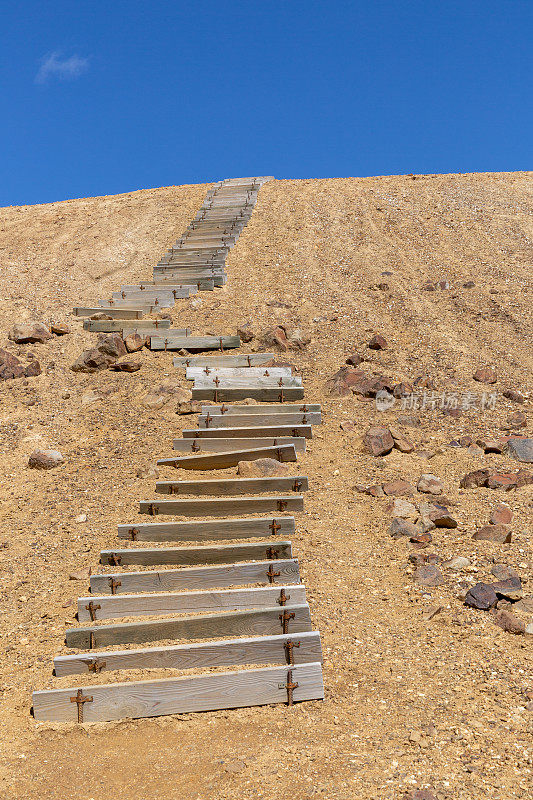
(411, 702)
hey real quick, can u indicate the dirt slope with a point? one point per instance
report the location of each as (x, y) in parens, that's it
(409, 703)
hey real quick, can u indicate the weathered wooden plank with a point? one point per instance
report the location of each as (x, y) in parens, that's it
(232, 486)
(198, 626)
(217, 444)
(134, 699)
(202, 655)
(199, 283)
(187, 556)
(115, 313)
(189, 578)
(255, 382)
(161, 603)
(144, 326)
(230, 360)
(210, 530)
(147, 305)
(149, 296)
(257, 408)
(141, 288)
(193, 373)
(277, 432)
(282, 453)
(259, 420)
(227, 394)
(222, 507)
(194, 342)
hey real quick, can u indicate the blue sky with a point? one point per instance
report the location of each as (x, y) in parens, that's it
(100, 98)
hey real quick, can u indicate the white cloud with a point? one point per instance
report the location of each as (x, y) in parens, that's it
(64, 69)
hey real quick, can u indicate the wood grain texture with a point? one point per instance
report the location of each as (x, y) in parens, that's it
(197, 578)
(282, 453)
(143, 326)
(223, 507)
(115, 313)
(257, 408)
(234, 486)
(133, 605)
(223, 393)
(228, 653)
(278, 432)
(137, 699)
(218, 444)
(253, 381)
(259, 420)
(197, 626)
(192, 373)
(237, 360)
(187, 556)
(150, 307)
(211, 530)
(193, 342)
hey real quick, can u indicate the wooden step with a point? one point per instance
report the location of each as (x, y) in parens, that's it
(187, 556)
(278, 432)
(229, 653)
(115, 313)
(102, 607)
(275, 420)
(155, 698)
(252, 381)
(217, 444)
(222, 507)
(198, 626)
(194, 342)
(143, 326)
(149, 307)
(232, 486)
(189, 578)
(210, 530)
(283, 453)
(227, 373)
(262, 394)
(256, 408)
(230, 360)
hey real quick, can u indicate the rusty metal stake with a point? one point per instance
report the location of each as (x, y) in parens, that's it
(289, 645)
(133, 533)
(92, 609)
(290, 686)
(282, 599)
(271, 553)
(96, 666)
(80, 700)
(274, 527)
(114, 560)
(285, 618)
(271, 574)
(113, 585)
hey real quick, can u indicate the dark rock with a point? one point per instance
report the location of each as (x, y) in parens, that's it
(481, 596)
(32, 369)
(490, 445)
(10, 367)
(378, 441)
(509, 622)
(469, 285)
(401, 443)
(501, 514)
(92, 361)
(509, 588)
(378, 342)
(402, 527)
(189, 407)
(111, 345)
(429, 575)
(485, 375)
(520, 449)
(45, 459)
(515, 396)
(354, 360)
(523, 478)
(421, 539)
(410, 420)
(30, 332)
(474, 479)
(340, 384)
(430, 484)
(60, 328)
(134, 342)
(525, 605)
(465, 441)
(493, 533)
(441, 517)
(398, 487)
(503, 572)
(245, 332)
(502, 480)
(126, 366)
(402, 389)
(276, 337)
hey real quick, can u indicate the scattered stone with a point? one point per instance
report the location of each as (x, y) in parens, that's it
(481, 596)
(32, 370)
(420, 794)
(29, 332)
(299, 340)
(410, 420)
(516, 420)
(235, 767)
(441, 517)
(276, 337)
(402, 389)
(465, 441)
(147, 472)
(10, 367)
(509, 588)
(157, 398)
(81, 518)
(378, 441)
(493, 533)
(503, 572)
(430, 484)
(525, 605)
(509, 622)
(429, 575)
(501, 514)
(421, 539)
(354, 359)
(126, 366)
(245, 332)
(378, 342)
(112, 345)
(134, 342)
(91, 397)
(457, 563)
(82, 575)
(398, 487)
(401, 443)
(404, 509)
(189, 407)
(340, 384)
(401, 527)
(100, 315)
(514, 395)
(523, 478)
(502, 480)
(474, 479)
(348, 425)
(485, 375)
(490, 445)
(60, 328)
(262, 468)
(374, 491)
(520, 449)
(45, 459)
(92, 361)
(469, 285)
(475, 450)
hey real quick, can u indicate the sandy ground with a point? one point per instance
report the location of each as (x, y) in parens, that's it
(410, 703)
